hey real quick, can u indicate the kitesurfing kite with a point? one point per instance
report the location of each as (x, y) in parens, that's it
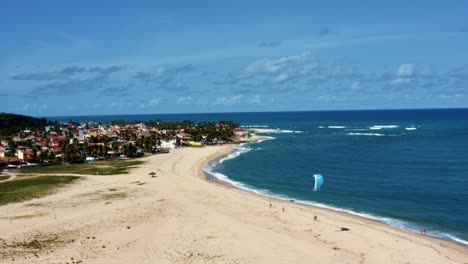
(318, 182)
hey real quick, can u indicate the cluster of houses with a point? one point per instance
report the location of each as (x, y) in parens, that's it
(31, 147)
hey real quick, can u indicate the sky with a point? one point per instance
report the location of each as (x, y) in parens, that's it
(62, 58)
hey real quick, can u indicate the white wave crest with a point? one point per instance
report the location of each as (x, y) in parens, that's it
(240, 149)
(356, 129)
(253, 126)
(410, 128)
(450, 237)
(265, 138)
(378, 127)
(365, 134)
(337, 127)
(289, 131)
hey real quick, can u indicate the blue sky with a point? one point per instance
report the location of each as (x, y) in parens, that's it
(135, 57)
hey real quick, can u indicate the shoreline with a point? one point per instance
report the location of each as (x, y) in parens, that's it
(347, 213)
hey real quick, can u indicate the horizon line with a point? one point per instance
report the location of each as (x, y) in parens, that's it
(249, 112)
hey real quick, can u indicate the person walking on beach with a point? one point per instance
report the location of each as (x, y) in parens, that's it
(270, 204)
(283, 209)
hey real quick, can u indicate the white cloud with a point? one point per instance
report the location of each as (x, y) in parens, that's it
(150, 103)
(398, 81)
(295, 73)
(406, 70)
(120, 105)
(33, 108)
(228, 100)
(276, 70)
(327, 98)
(356, 86)
(154, 101)
(254, 99)
(185, 100)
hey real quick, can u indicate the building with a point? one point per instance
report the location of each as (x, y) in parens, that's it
(25, 155)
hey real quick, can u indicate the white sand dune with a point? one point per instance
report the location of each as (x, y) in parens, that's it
(180, 217)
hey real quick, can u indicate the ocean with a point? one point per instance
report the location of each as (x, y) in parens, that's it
(407, 168)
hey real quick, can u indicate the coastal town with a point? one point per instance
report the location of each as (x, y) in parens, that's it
(76, 142)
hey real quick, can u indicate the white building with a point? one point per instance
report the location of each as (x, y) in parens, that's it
(168, 144)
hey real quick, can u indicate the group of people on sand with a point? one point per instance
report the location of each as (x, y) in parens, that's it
(271, 205)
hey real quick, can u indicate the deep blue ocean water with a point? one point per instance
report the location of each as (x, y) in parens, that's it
(408, 168)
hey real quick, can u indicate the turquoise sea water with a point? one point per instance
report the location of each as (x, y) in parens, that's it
(408, 168)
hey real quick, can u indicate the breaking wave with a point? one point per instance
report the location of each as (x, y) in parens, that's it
(365, 134)
(378, 127)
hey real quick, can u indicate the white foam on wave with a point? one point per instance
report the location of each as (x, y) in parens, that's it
(390, 221)
(451, 237)
(243, 148)
(253, 126)
(410, 128)
(378, 127)
(290, 131)
(356, 129)
(265, 138)
(337, 127)
(365, 134)
(240, 149)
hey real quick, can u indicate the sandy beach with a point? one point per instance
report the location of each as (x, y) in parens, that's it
(180, 217)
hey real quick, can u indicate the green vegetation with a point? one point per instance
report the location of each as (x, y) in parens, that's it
(11, 123)
(107, 167)
(30, 188)
(2, 178)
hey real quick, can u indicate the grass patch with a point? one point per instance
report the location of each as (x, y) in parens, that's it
(2, 178)
(27, 189)
(106, 167)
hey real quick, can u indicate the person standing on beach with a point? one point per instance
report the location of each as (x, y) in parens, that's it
(270, 204)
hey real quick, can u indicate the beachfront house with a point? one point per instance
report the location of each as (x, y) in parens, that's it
(183, 137)
(168, 144)
(25, 155)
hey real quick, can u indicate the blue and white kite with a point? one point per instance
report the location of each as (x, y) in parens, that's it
(318, 182)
